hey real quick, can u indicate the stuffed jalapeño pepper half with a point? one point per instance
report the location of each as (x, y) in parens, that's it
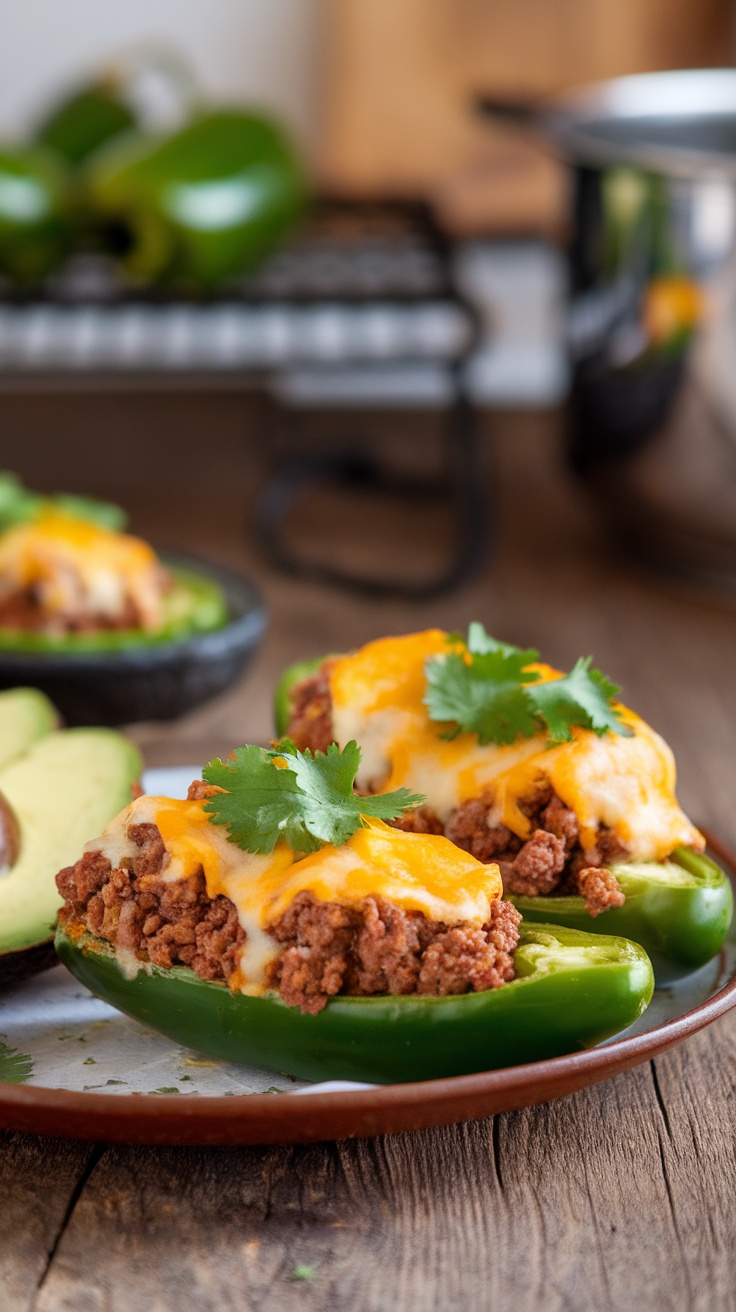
(275, 918)
(567, 790)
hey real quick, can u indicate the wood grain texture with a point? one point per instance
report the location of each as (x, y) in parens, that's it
(619, 1197)
(40, 1181)
(591, 1201)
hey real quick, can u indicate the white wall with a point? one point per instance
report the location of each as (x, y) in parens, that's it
(264, 51)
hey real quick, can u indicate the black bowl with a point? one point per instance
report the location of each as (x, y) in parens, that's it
(148, 683)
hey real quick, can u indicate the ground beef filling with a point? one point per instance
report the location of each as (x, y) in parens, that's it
(23, 610)
(552, 860)
(378, 948)
(132, 907)
(326, 948)
(311, 711)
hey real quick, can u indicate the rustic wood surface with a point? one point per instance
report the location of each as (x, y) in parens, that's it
(619, 1196)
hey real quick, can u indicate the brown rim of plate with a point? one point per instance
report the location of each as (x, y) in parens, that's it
(263, 1118)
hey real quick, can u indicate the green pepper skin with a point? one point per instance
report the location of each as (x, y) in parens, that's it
(201, 206)
(197, 605)
(680, 924)
(35, 225)
(572, 990)
(83, 122)
(282, 697)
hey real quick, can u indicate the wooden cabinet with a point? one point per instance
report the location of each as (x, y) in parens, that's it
(398, 77)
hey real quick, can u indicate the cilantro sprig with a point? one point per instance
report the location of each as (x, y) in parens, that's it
(487, 688)
(307, 797)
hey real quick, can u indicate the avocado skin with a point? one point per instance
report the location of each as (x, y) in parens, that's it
(25, 962)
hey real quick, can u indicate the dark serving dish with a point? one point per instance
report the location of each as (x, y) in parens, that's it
(151, 682)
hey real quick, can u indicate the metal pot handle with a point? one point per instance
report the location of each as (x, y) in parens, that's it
(516, 112)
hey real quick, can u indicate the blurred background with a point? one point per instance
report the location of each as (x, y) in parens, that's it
(430, 361)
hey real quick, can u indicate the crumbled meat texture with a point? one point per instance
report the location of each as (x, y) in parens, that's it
(537, 868)
(552, 860)
(421, 821)
(378, 948)
(23, 610)
(199, 791)
(600, 889)
(609, 846)
(327, 948)
(469, 827)
(310, 724)
(560, 821)
(167, 923)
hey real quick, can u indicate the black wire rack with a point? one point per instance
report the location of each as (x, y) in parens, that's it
(364, 287)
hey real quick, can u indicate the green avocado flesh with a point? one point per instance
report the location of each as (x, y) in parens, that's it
(25, 716)
(195, 604)
(62, 792)
(572, 990)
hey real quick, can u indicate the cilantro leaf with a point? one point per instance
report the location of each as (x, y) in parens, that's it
(261, 802)
(483, 689)
(486, 687)
(582, 697)
(15, 1067)
(481, 643)
(306, 798)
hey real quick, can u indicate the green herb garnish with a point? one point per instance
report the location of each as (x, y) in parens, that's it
(304, 797)
(486, 687)
(15, 1067)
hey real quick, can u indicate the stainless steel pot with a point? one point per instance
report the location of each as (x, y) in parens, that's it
(652, 316)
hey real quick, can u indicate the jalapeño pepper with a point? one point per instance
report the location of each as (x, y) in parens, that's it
(679, 910)
(572, 990)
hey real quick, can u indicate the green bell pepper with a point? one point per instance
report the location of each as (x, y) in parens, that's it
(201, 206)
(679, 910)
(572, 990)
(86, 120)
(35, 224)
(282, 697)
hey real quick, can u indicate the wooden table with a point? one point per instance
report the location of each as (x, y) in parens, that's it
(621, 1196)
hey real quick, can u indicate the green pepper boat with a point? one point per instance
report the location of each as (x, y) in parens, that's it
(572, 991)
(679, 910)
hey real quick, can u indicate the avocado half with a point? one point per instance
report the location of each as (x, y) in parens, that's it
(25, 716)
(194, 604)
(53, 799)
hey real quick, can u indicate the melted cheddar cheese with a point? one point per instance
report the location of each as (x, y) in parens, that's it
(417, 872)
(626, 784)
(80, 570)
